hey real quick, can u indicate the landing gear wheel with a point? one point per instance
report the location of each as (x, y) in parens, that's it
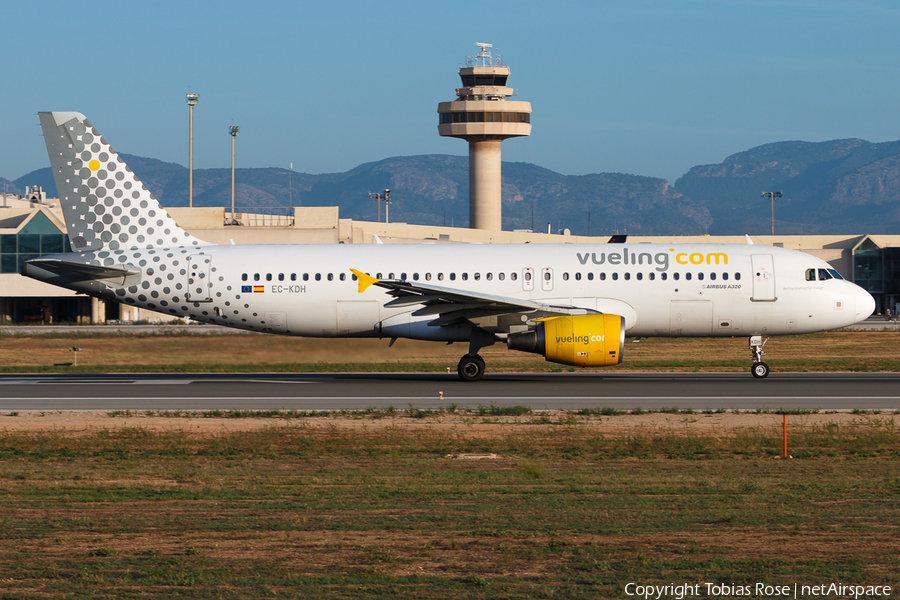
(470, 368)
(760, 370)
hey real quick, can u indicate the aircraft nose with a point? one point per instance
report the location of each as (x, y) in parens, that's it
(865, 304)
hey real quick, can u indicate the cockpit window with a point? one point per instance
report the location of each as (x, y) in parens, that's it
(810, 274)
(824, 275)
(835, 273)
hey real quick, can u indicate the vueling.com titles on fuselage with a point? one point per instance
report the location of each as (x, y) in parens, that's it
(660, 259)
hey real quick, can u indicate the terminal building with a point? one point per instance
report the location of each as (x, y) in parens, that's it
(32, 226)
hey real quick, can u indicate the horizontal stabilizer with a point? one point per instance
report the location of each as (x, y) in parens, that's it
(74, 271)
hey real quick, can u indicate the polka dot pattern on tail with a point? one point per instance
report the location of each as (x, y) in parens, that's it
(100, 193)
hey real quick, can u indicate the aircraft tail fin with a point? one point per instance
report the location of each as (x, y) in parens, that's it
(105, 205)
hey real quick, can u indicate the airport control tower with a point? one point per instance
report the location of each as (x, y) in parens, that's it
(482, 115)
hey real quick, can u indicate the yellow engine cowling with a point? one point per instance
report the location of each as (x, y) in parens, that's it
(580, 340)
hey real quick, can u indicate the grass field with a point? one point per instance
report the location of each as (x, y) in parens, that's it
(372, 505)
(576, 506)
(837, 351)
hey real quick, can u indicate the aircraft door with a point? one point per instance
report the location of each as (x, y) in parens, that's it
(199, 281)
(763, 278)
(528, 279)
(546, 279)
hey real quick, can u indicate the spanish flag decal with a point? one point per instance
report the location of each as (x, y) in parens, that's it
(258, 288)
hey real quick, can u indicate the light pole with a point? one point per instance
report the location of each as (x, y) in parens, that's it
(386, 196)
(233, 130)
(191, 102)
(771, 196)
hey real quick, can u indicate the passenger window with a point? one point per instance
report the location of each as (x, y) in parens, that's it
(452, 276)
(547, 276)
(712, 276)
(627, 276)
(268, 277)
(577, 276)
(663, 276)
(602, 276)
(293, 277)
(256, 277)
(244, 277)
(737, 276)
(810, 274)
(377, 275)
(343, 276)
(528, 276)
(440, 276)
(640, 276)
(318, 277)
(700, 276)
(390, 275)
(824, 275)
(477, 276)
(465, 276)
(306, 277)
(427, 276)
(513, 276)
(615, 276)
(687, 276)
(281, 277)
(415, 276)
(488, 276)
(403, 276)
(501, 276)
(590, 276)
(675, 276)
(652, 276)
(565, 276)
(724, 276)
(353, 277)
(331, 277)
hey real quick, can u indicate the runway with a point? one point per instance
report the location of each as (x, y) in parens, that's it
(93, 392)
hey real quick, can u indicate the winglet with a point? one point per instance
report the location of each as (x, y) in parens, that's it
(364, 280)
(749, 241)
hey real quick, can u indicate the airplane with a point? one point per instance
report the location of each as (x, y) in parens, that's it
(572, 303)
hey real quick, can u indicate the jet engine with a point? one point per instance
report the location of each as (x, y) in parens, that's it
(580, 340)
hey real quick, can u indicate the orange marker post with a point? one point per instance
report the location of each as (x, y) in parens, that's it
(785, 436)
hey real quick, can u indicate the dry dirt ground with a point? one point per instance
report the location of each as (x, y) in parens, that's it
(469, 425)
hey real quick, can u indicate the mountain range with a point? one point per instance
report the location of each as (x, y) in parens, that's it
(840, 186)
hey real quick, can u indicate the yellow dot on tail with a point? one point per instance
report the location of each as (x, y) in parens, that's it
(94, 165)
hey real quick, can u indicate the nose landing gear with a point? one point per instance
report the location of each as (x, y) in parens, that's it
(760, 370)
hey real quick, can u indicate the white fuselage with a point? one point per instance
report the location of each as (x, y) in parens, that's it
(661, 290)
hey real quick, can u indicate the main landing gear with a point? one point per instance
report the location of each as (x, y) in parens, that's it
(759, 369)
(470, 368)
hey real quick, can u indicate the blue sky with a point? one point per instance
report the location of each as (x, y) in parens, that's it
(644, 87)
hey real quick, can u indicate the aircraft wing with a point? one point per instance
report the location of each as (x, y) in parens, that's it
(452, 305)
